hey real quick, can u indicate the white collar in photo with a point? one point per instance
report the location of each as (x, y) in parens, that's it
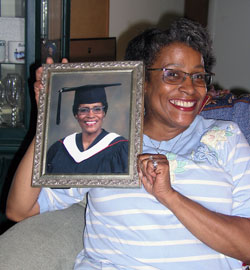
(70, 144)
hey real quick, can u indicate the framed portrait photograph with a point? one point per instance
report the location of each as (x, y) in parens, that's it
(89, 126)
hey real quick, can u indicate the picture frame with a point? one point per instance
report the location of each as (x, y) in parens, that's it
(124, 117)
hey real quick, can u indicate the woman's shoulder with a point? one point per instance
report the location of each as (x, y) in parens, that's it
(72, 136)
(208, 124)
(120, 139)
(118, 145)
(114, 136)
(56, 146)
(219, 130)
(59, 143)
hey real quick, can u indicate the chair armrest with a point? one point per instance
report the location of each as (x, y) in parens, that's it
(47, 241)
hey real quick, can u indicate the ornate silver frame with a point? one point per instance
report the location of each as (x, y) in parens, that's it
(132, 75)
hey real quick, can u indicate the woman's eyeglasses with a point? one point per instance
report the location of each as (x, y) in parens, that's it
(95, 110)
(176, 77)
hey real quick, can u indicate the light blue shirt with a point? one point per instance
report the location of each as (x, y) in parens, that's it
(130, 229)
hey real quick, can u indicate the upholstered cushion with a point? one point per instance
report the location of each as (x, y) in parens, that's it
(48, 241)
(230, 107)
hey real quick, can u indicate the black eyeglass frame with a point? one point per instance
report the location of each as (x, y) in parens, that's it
(191, 75)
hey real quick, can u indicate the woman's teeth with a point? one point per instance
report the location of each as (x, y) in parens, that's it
(181, 103)
(90, 123)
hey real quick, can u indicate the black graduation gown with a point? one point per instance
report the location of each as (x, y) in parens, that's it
(112, 159)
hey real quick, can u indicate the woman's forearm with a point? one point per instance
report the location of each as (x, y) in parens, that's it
(229, 235)
(22, 198)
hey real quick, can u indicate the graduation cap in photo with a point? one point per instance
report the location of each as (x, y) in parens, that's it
(84, 94)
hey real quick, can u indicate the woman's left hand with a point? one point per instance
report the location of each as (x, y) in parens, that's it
(154, 173)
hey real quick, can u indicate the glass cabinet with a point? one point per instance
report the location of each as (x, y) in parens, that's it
(17, 57)
(12, 63)
(17, 53)
(30, 30)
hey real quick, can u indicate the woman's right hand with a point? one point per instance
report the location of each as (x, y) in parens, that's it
(155, 178)
(38, 83)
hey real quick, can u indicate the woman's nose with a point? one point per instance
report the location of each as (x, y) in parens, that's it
(187, 85)
(91, 113)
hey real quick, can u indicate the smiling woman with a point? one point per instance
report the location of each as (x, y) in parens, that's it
(94, 150)
(187, 161)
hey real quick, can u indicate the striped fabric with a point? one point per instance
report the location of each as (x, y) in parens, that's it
(130, 229)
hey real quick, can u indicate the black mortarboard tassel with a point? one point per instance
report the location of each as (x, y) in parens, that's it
(84, 94)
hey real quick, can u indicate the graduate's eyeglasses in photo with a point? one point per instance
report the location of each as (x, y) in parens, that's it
(175, 77)
(95, 110)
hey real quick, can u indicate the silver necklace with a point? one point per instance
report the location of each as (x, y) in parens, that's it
(157, 148)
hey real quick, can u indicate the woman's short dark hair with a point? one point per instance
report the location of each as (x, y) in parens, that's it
(147, 45)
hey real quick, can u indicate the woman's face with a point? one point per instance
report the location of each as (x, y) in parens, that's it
(91, 123)
(174, 106)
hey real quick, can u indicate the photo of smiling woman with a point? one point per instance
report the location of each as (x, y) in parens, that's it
(93, 150)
